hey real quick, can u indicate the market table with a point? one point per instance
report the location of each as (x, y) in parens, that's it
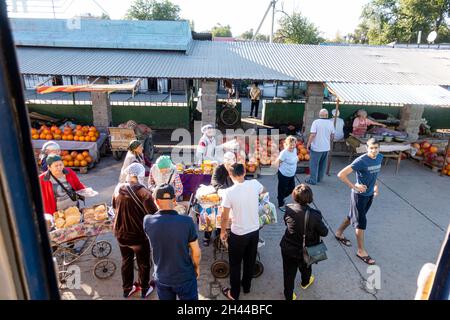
(191, 182)
(388, 149)
(92, 147)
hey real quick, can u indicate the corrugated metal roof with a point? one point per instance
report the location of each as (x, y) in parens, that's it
(248, 60)
(376, 94)
(100, 33)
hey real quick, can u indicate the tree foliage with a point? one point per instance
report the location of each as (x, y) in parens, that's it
(385, 21)
(296, 28)
(248, 35)
(153, 10)
(221, 31)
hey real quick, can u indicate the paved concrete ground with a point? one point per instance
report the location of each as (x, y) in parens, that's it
(406, 227)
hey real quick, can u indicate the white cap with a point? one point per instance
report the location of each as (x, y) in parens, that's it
(229, 158)
(51, 145)
(334, 112)
(207, 127)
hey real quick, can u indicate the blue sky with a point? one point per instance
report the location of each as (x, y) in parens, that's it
(330, 16)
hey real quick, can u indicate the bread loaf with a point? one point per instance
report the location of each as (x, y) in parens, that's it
(71, 220)
(59, 223)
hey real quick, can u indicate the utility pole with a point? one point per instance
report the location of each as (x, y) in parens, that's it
(271, 6)
(273, 20)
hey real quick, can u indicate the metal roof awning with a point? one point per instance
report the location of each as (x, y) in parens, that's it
(390, 95)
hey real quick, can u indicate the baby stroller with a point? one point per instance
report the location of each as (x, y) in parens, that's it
(220, 268)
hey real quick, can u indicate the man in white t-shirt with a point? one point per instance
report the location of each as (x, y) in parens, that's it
(319, 143)
(243, 199)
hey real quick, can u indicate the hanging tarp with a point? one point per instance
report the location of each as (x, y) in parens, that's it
(109, 88)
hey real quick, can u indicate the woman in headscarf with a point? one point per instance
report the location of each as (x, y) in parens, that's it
(50, 147)
(135, 154)
(164, 171)
(132, 201)
(59, 186)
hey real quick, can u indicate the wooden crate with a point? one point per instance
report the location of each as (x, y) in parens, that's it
(120, 138)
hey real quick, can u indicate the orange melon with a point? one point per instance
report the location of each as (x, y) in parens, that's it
(83, 163)
(70, 163)
(76, 163)
(74, 154)
(70, 137)
(80, 157)
(85, 154)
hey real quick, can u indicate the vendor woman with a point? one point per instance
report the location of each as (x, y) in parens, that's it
(361, 123)
(164, 171)
(135, 154)
(206, 149)
(58, 186)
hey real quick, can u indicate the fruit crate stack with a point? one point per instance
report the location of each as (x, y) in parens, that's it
(434, 154)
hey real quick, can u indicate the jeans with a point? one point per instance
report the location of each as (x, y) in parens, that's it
(317, 166)
(185, 291)
(242, 248)
(254, 105)
(285, 187)
(142, 252)
(290, 267)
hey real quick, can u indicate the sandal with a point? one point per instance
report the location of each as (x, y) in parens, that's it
(344, 241)
(227, 293)
(366, 259)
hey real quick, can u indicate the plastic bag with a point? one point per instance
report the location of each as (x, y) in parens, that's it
(204, 190)
(267, 210)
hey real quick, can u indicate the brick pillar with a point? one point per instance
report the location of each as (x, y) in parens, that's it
(209, 97)
(314, 102)
(410, 120)
(101, 108)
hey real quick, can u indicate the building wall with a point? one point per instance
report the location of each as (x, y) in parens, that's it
(157, 117)
(279, 113)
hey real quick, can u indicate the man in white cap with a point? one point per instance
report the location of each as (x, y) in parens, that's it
(339, 125)
(206, 149)
(319, 144)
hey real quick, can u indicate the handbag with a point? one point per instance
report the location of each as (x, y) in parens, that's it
(73, 195)
(315, 253)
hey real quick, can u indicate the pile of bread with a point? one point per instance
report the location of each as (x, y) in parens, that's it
(97, 213)
(67, 218)
(213, 197)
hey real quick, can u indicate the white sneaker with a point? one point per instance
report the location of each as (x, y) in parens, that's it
(131, 292)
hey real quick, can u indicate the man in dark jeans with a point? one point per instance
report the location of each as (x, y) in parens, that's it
(171, 236)
(255, 95)
(131, 203)
(243, 199)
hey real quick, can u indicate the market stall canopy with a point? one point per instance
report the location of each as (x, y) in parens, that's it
(393, 95)
(109, 88)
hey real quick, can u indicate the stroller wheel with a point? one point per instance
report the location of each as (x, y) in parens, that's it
(101, 249)
(220, 269)
(104, 269)
(259, 269)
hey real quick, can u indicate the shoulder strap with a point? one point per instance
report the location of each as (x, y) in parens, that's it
(171, 175)
(61, 185)
(136, 199)
(305, 226)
